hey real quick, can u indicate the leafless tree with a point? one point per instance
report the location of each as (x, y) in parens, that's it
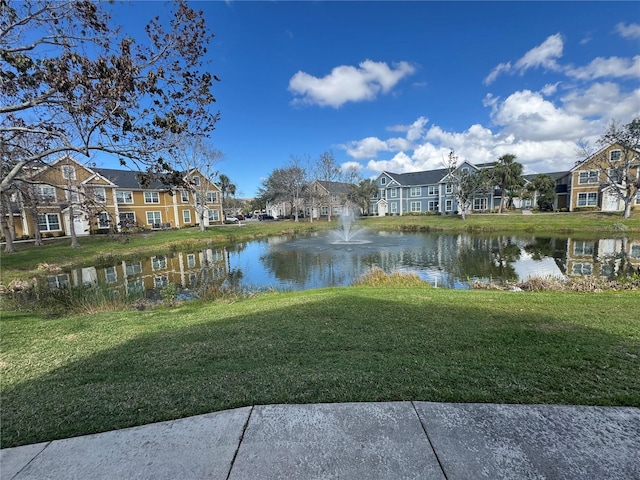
(622, 166)
(73, 82)
(197, 159)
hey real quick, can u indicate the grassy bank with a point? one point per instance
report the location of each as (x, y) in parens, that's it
(104, 250)
(73, 376)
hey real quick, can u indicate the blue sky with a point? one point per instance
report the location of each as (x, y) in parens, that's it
(396, 85)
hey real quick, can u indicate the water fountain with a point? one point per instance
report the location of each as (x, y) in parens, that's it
(347, 232)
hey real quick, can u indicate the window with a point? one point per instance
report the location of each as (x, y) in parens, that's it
(615, 175)
(465, 170)
(153, 218)
(68, 172)
(127, 219)
(48, 222)
(448, 205)
(45, 193)
(334, 198)
(213, 216)
(191, 260)
(415, 191)
(160, 282)
(196, 181)
(186, 216)
(111, 274)
(394, 192)
(133, 268)
(124, 196)
(433, 206)
(58, 281)
(212, 197)
(100, 195)
(336, 211)
(432, 190)
(588, 176)
(589, 199)
(583, 248)
(159, 262)
(416, 206)
(324, 211)
(449, 188)
(582, 268)
(103, 220)
(135, 286)
(394, 207)
(615, 155)
(73, 196)
(151, 197)
(480, 204)
(184, 196)
(635, 250)
(383, 181)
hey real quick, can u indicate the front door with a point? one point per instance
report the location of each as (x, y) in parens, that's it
(78, 224)
(382, 208)
(612, 203)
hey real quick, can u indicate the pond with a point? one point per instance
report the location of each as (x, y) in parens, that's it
(318, 260)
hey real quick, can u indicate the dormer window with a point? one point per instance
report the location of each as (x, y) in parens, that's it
(615, 155)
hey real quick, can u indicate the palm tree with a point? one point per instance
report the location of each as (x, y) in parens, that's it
(507, 174)
(226, 188)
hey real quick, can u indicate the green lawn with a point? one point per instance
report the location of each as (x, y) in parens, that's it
(73, 376)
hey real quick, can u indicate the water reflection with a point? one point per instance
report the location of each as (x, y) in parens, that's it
(452, 261)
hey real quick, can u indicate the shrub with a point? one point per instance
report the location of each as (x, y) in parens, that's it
(376, 277)
(620, 227)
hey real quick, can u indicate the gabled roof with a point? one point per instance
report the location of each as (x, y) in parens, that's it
(612, 146)
(335, 188)
(128, 179)
(555, 175)
(428, 177)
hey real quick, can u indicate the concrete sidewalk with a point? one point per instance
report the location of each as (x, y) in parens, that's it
(399, 440)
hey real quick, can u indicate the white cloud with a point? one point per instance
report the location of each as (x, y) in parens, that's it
(527, 114)
(502, 67)
(366, 148)
(416, 129)
(604, 100)
(346, 83)
(351, 166)
(549, 89)
(400, 163)
(628, 31)
(544, 56)
(613, 67)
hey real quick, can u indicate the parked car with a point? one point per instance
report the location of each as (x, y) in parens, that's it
(229, 219)
(239, 217)
(264, 216)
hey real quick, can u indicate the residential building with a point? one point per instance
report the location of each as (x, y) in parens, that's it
(322, 199)
(100, 199)
(592, 179)
(327, 199)
(563, 188)
(426, 191)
